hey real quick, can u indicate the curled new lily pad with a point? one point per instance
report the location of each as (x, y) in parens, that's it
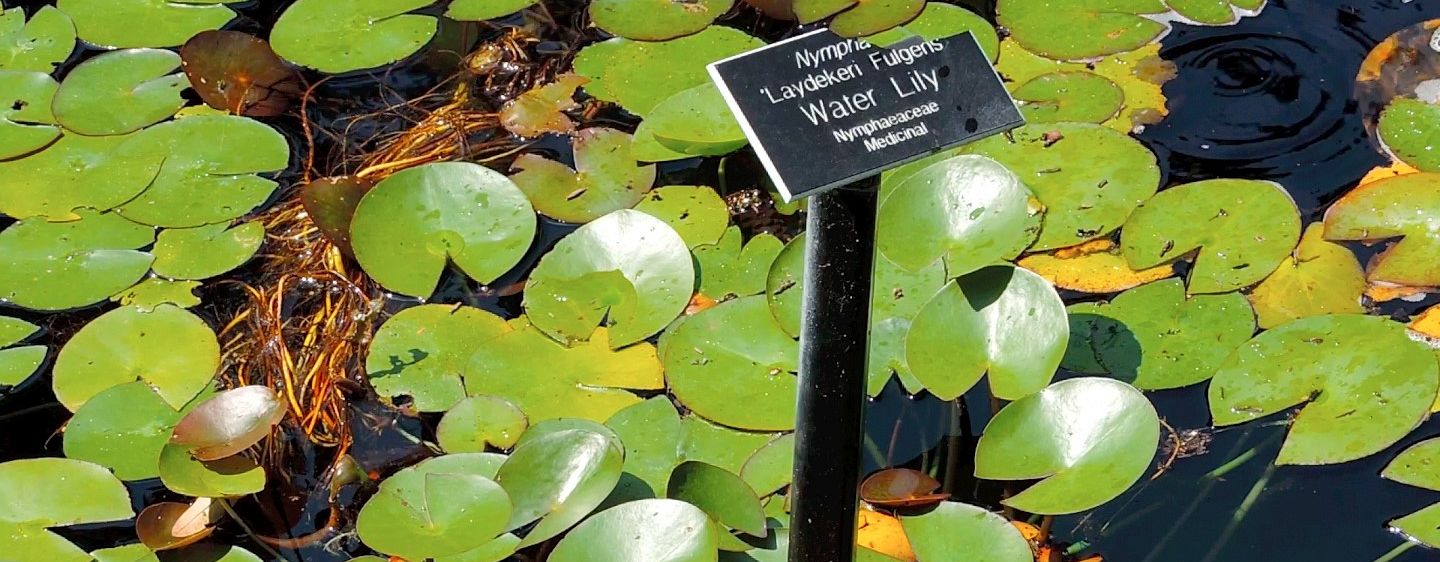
(727, 270)
(542, 110)
(26, 122)
(1088, 439)
(1408, 129)
(1319, 277)
(435, 508)
(1363, 384)
(140, 80)
(422, 352)
(628, 268)
(1051, 90)
(868, 17)
(171, 525)
(206, 251)
(1001, 320)
(693, 122)
(1155, 337)
(331, 204)
(606, 178)
(639, 75)
(38, 45)
(168, 348)
(479, 10)
(72, 173)
(122, 428)
(1093, 267)
(229, 422)
(955, 527)
(696, 212)
(1407, 207)
(239, 73)
(901, 487)
(18, 363)
(1240, 230)
(155, 291)
(656, 530)
(144, 23)
(480, 421)
(585, 380)
(733, 364)
(719, 493)
(344, 35)
(412, 223)
(559, 476)
(32, 498)
(58, 266)
(656, 20)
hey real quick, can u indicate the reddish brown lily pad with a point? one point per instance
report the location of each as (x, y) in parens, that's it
(170, 525)
(331, 203)
(542, 110)
(239, 73)
(229, 422)
(901, 487)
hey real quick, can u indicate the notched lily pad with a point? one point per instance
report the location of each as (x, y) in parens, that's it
(954, 527)
(206, 251)
(18, 363)
(1051, 90)
(58, 266)
(155, 291)
(122, 428)
(868, 17)
(239, 73)
(728, 270)
(30, 501)
(139, 80)
(480, 10)
(696, 212)
(639, 75)
(422, 352)
(344, 35)
(1407, 207)
(1408, 129)
(435, 508)
(26, 122)
(559, 476)
(480, 421)
(170, 349)
(1319, 277)
(542, 110)
(38, 45)
(656, 20)
(606, 178)
(655, 530)
(733, 364)
(144, 23)
(72, 173)
(693, 122)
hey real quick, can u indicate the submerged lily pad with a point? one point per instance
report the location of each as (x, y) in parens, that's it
(1405, 206)
(1319, 277)
(901, 487)
(560, 476)
(1363, 382)
(331, 204)
(122, 428)
(628, 268)
(31, 501)
(1001, 320)
(38, 45)
(639, 75)
(344, 35)
(606, 178)
(1088, 439)
(435, 508)
(655, 530)
(239, 73)
(140, 80)
(719, 493)
(733, 364)
(968, 210)
(479, 421)
(229, 422)
(172, 525)
(412, 223)
(422, 352)
(542, 110)
(656, 20)
(26, 123)
(1408, 129)
(727, 270)
(696, 212)
(18, 363)
(1240, 229)
(72, 173)
(956, 527)
(206, 251)
(58, 266)
(168, 348)
(144, 23)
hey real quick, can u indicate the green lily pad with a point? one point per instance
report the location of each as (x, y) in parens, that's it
(433, 509)
(140, 80)
(30, 543)
(26, 123)
(155, 291)
(496, 550)
(694, 122)
(586, 380)
(475, 422)
(123, 429)
(1154, 337)
(1415, 466)
(481, 10)
(810, 11)
(1083, 97)
(118, 24)
(72, 173)
(733, 364)
(58, 266)
(1363, 382)
(657, 530)
(1407, 127)
(422, 352)
(1089, 180)
(559, 477)
(1082, 29)
(168, 348)
(32, 494)
(1319, 277)
(412, 223)
(727, 270)
(17, 364)
(869, 17)
(1405, 206)
(227, 477)
(1242, 230)
(696, 212)
(938, 21)
(208, 174)
(627, 268)
(206, 251)
(653, 437)
(725, 447)
(656, 20)
(639, 75)
(1423, 526)
(1137, 74)
(719, 493)
(954, 527)
(1087, 439)
(606, 178)
(128, 553)
(1001, 320)
(343, 35)
(968, 210)
(38, 45)
(1215, 12)
(770, 468)
(210, 552)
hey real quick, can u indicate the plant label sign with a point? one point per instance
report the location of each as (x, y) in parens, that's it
(822, 110)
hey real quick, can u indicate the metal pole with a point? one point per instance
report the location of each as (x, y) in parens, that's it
(834, 341)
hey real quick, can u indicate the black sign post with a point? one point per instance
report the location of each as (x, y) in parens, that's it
(822, 111)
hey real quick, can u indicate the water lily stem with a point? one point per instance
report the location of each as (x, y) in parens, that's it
(225, 504)
(1394, 553)
(1045, 525)
(952, 446)
(1240, 513)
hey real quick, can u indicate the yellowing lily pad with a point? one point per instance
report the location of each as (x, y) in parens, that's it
(696, 212)
(38, 45)
(141, 81)
(1320, 277)
(168, 348)
(542, 109)
(1407, 207)
(606, 178)
(59, 266)
(26, 123)
(1137, 74)
(344, 35)
(734, 365)
(1093, 267)
(206, 251)
(144, 23)
(422, 352)
(656, 20)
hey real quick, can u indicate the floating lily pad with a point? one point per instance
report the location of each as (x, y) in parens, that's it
(1319, 277)
(727, 270)
(657, 530)
(480, 10)
(1363, 382)
(771, 467)
(938, 21)
(639, 75)
(720, 494)
(26, 123)
(331, 204)
(211, 552)
(901, 487)
(1089, 180)
(1405, 206)
(422, 352)
(127, 553)
(206, 251)
(17, 364)
(32, 498)
(144, 23)
(140, 80)
(1137, 74)
(654, 438)
(229, 422)
(172, 525)
(344, 35)
(1154, 337)
(432, 509)
(1088, 439)
(1415, 466)
(496, 550)
(628, 268)
(239, 73)
(956, 527)
(733, 364)
(809, 11)
(542, 109)
(1093, 267)
(1240, 229)
(694, 122)
(586, 380)
(1083, 97)
(58, 266)
(873, 16)
(1001, 320)
(696, 212)
(72, 173)
(1408, 129)
(968, 210)
(168, 348)
(155, 291)
(606, 178)
(480, 421)
(31, 543)
(559, 477)
(725, 447)
(38, 45)
(1082, 29)
(414, 222)
(656, 20)
(122, 428)
(227, 477)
